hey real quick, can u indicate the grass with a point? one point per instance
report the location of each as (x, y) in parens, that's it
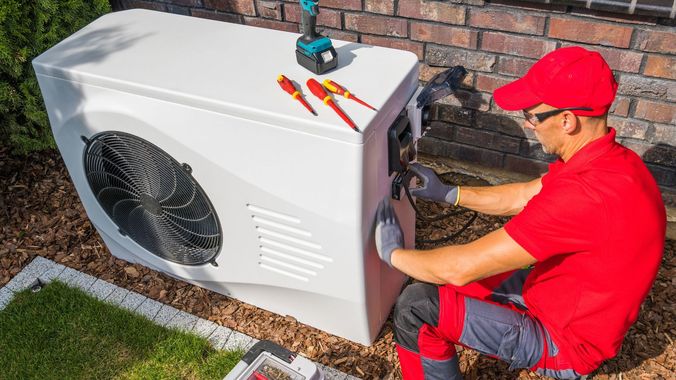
(63, 333)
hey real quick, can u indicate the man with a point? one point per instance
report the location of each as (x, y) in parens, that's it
(591, 231)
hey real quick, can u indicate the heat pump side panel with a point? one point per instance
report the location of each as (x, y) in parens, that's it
(304, 191)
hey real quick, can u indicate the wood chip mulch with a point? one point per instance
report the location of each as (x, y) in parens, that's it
(40, 214)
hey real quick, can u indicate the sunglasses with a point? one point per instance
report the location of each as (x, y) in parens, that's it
(537, 118)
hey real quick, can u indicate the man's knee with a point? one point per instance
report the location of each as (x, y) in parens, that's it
(418, 304)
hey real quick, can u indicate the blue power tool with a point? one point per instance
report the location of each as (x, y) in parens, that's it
(314, 51)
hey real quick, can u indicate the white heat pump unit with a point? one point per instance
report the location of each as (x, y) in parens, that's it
(190, 159)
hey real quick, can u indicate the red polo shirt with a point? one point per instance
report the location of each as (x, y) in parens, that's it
(597, 230)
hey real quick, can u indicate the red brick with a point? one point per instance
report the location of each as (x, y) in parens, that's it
(520, 4)
(432, 11)
(444, 35)
(453, 115)
(487, 139)
(385, 7)
(353, 5)
(270, 9)
(497, 19)
(525, 165)
(428, 72)
(440, 130)
(339, 34)
(215, 15)
(664, 133)
(661, 154)
(658, 42)
(646, 87)
(437, 55)
(245, 7)
(177, 9)
(468, 99)
(461, 152)
(516, 45)
(614, 17)
(365, 23)
(654, 111)
(618, 59)
(488, 83)
(514, 66)
(395, 43)
(130, 4)
(661, 66)
(620, 106)
(505, 122)
(271, 24)
(635, 129)
(187, 3)
(597, 33)
(326, 17)
(639, 147)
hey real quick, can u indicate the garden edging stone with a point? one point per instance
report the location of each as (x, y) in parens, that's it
(221, 337)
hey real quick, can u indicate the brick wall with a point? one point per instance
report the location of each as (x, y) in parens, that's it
(496, 41)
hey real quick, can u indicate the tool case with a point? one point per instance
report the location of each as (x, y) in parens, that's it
(269, 361)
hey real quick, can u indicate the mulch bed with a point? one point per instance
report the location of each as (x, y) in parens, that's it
(40, 214)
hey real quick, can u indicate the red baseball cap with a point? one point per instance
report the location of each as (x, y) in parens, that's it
(567, 77)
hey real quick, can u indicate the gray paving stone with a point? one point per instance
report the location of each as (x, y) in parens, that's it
(331, 373)
(117, 296)
(183, 321)
(251, 343)
(29, 274)
(219, 337)
(165, 314)
(6, 296)
(237, 340)
(204, 328)
(82, 281)
(67, 275)
(148, 308)
(132, 301)
(53, 273)
(101, 289)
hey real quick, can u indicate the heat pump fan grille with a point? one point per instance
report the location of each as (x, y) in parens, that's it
(152, 198)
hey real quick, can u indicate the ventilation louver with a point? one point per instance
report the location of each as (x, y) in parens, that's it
(152, 198)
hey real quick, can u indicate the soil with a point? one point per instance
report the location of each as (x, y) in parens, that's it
(41, 214)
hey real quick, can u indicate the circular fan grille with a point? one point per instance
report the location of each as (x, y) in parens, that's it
(152, 198)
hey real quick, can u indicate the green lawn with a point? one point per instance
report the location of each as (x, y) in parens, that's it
(63, 333)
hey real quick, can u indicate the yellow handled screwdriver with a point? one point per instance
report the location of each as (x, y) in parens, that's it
(288, 86)
(338, 90)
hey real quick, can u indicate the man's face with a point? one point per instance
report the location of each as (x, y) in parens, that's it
(546, 131)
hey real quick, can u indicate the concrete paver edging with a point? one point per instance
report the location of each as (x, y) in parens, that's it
(219, 336)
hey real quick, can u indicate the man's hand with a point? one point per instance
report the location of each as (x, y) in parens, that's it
(388, 232)
(432, 188)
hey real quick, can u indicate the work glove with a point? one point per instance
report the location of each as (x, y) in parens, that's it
(431, 189)
(388, 232)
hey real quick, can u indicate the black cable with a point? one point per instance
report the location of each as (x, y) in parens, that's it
(440, 217)
(435, 218)
(452, 236)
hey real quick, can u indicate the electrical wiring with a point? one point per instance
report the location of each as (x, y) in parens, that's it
(440, 217)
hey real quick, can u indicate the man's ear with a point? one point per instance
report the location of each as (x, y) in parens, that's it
(569, 122)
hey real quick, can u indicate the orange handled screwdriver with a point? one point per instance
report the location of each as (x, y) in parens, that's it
(319, 92)
(337, 89)
(288, 86)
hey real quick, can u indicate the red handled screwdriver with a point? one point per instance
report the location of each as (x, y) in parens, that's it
(337, 89)
(288, 86)
(317, 89)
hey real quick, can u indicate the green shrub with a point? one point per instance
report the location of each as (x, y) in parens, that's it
(28, 28)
